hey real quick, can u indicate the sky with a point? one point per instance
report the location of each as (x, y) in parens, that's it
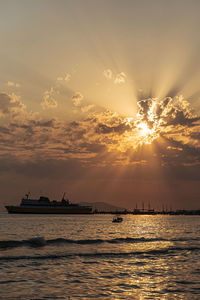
(101, 100)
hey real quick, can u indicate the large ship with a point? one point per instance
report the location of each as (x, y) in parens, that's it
(44, 206)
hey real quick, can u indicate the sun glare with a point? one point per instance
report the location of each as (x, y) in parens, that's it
(145, 134)
(144, 129)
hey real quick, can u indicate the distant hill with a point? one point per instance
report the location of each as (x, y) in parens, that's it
(103, 206)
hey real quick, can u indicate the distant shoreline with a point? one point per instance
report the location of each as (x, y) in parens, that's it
(155, 213)
(177, 212)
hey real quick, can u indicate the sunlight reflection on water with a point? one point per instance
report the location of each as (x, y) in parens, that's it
(144, 257)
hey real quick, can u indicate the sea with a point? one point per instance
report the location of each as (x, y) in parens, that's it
(90, 257)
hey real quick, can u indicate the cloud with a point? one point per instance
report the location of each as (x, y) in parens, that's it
(13, 84)
(48, 100)
(66, 78)
(177, 153)
(56, 92)
(105, 129)
(10, 105)
(120, 78)
(108, 74)
(195, 136)
(166, 112)
(77, 99)
(87, 108)
(117, 79)
(102, 137)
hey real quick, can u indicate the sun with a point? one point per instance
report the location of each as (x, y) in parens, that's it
(144, 129)
(145, 133)
(147, 126)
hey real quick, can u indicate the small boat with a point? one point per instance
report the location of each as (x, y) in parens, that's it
(117, 220)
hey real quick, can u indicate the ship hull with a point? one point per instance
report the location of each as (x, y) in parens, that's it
(47, 210)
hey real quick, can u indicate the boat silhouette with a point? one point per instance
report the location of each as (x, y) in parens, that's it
(44, 206)
(117, 220)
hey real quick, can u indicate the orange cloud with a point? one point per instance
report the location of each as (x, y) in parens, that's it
(77, 99)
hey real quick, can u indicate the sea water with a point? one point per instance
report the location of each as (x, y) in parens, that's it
(89, 257)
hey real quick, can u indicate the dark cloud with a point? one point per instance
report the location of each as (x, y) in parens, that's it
(106, 129)
(101, 141)
(176, 153)
(74, 124)
(180, 117)
(93, 147)
(4, 130)
(144, 106)
(167, 112)
(195, 135)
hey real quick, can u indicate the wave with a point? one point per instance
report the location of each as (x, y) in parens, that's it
(100, 241)
(41, 242)
(33, 242)
(150, 253)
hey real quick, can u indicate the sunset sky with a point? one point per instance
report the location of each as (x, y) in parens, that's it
(101, 99)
